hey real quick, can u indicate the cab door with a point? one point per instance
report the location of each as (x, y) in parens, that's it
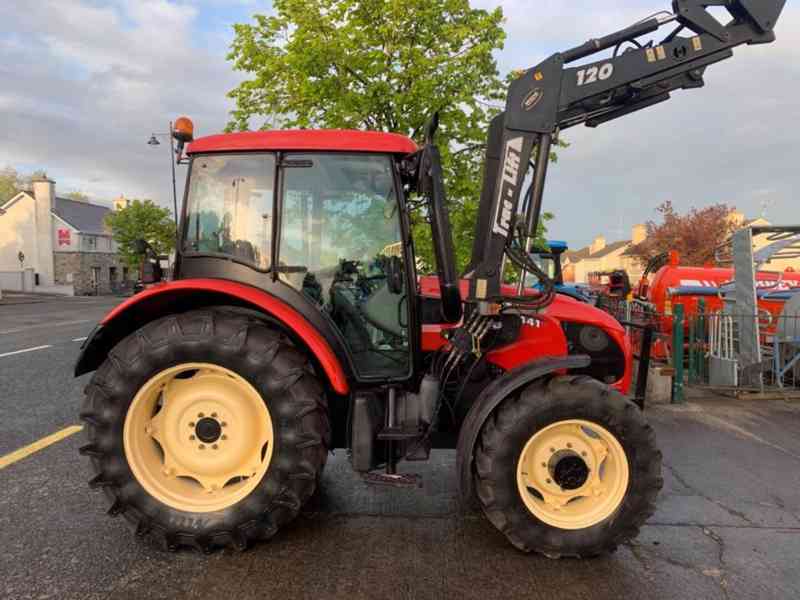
(341, 245)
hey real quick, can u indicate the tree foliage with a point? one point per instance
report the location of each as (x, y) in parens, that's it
(9, 183)
(384, 65)
(12, 181)
(77, 196)
(141, 219)
(694, 235)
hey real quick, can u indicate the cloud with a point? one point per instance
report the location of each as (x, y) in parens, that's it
(85, 84)
(733, 141)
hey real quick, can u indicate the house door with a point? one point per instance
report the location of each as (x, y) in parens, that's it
(95, 280)
(112, 277)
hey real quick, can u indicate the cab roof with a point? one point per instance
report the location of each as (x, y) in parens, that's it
(342, 140)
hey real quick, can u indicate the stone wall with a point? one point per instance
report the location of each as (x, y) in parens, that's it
(76, 268)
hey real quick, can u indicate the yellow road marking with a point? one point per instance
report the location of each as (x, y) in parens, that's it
(25, 451)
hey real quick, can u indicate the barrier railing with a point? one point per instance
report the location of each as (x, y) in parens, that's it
(703, 348)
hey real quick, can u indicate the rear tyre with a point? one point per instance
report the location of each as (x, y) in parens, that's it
(567, 468)
(207, 429)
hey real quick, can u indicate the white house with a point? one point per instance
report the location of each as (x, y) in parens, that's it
(64, 244)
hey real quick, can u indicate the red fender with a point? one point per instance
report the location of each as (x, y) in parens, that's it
(269, 304)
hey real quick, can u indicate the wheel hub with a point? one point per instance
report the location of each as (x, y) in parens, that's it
(570, 472)
(208, 430)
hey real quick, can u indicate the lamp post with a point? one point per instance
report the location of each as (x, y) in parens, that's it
(153, 141)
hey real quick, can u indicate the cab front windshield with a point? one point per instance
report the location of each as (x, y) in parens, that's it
(229, 207)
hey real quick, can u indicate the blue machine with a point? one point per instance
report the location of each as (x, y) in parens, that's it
(550, 263)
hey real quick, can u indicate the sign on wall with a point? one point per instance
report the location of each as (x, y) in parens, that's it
(64, 237)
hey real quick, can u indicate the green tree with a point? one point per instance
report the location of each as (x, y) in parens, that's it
(694, 235)
(10, 183)
(383, 65)
(77, 196)
(141, 219)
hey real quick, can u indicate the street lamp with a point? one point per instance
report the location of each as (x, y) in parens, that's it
(153, 141)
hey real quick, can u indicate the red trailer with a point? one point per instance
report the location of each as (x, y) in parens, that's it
(675, 284)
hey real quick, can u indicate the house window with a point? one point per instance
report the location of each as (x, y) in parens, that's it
(124, 273)
(112, 274)
(90, 243)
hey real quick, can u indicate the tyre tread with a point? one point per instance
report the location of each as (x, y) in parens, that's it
(287, 373)
(561, 398)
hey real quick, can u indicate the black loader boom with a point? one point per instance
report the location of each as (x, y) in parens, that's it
(552, 96)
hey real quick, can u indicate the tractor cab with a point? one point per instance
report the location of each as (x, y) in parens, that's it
(315, 218)
(549, 261)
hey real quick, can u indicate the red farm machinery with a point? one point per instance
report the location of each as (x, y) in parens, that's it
(295, 323)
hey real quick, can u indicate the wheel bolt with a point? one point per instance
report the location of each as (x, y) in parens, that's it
(215, 446)
(569, 445)
(552, 450)
(200, 415)
(202, 447)
(224, 437)
(224, 424)
(191, 437)
(544, 464)
(191, 424)
(214, 415)
(549, 481)
(583, 453)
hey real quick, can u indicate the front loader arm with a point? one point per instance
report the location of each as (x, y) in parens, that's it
(551, 97)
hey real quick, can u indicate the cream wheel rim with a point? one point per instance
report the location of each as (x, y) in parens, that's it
(573, 474)
(198, 437)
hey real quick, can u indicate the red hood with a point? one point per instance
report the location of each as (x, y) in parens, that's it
(563, 307)
(566, 308)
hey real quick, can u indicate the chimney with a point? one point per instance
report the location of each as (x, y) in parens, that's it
(638, 234)
(597, 244)
(44, 193)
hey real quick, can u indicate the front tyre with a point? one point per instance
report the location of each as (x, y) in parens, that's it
(567, 468)
(207, 429)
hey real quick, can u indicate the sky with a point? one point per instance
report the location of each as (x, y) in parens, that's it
(86, 82)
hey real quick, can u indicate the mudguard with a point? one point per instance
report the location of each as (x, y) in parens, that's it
(186, 294)
(490, 399)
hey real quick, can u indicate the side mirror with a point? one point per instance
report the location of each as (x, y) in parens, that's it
(394, 275)
(151, 272)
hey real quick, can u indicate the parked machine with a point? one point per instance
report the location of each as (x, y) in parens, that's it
(611, 284)
(674, 284)
(549, 261)
(295, 323)
(666, 283)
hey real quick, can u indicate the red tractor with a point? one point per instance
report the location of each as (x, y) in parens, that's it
(295, 323)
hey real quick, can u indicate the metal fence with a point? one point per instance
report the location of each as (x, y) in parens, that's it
(775, 364)
(725, 351)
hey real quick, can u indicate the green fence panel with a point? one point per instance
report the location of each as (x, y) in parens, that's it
(677, 354)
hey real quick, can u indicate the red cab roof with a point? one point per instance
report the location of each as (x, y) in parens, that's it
(344, 140)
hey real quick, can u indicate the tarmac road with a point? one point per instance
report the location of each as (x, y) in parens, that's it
(728, 523)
